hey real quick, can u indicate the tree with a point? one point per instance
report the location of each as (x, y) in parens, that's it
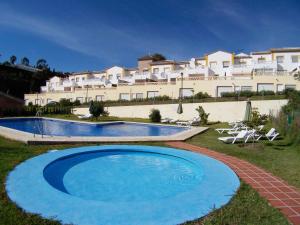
(13, 59)
(42, 64)
(25, 61)
(96, 109)
(158, 57)
(155, 116)
(203, 116)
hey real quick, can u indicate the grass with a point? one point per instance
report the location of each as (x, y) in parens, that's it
(246, 207)
(276, 157)
(100, 119)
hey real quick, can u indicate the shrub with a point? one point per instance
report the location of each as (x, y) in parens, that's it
(228, 94)
(155, 116)
(201, 95)
(287, 122)
(65, 102)
(160, 98)
(76, 103)
(96, 109)
(266, 93)
(257, 118)
(203, 116)
(247, 93)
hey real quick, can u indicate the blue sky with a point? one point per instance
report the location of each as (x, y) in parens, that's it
(92, 35)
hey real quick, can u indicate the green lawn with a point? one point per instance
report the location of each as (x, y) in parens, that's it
(276, 157)
(247, 207)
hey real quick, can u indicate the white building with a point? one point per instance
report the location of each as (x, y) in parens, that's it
(216, 66)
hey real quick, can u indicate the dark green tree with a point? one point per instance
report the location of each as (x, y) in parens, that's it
(13, 59)
(42, 64)
(96, 109)
(155, 116)
(203, 116)
(158, 57)
(25, 61)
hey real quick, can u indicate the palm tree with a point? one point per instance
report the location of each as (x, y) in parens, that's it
(25, 61)
(12, 59)
(42, 64)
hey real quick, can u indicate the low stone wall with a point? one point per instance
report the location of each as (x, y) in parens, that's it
(219, 111)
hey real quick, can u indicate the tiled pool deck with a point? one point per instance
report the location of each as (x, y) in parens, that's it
(279, 193)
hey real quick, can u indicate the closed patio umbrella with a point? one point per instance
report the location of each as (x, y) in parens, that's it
(179, 109)
(248, 111)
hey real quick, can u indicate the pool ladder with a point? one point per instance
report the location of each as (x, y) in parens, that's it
(39, 124)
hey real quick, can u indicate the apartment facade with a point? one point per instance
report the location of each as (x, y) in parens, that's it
(213, 73)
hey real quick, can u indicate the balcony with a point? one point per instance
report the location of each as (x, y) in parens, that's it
(268, 65)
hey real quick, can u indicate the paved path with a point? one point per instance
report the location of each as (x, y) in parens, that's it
(280, 195)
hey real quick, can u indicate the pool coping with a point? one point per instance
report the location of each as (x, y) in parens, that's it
(91, 212)
(34, 139)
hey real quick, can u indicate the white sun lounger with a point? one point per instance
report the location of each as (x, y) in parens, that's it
(87, 116)
(194, 122)
(166, 120)
(271, 135)
(236, 128)
(242, 135)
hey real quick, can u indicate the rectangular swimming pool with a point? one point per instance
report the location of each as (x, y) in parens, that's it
(69, 128)
(46, 130)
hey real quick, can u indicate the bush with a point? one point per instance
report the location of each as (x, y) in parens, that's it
(65, 102)
(261, 93)
(155, 116)
(96, 109)
(287, 122)
(160, 98)
(257, 118)
(201, 95)
(247, 94)
(203, 116)
(229, 94)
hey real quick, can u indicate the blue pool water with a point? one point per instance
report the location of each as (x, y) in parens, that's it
(122, 185)
(67, 128)
(117, 176)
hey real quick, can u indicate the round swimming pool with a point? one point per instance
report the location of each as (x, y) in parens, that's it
(121, 184)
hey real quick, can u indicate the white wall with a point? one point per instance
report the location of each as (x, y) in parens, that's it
(219, 111)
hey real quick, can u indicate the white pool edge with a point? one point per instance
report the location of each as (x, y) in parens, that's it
(30, 138)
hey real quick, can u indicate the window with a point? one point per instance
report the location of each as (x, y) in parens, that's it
(155, 70)
(223, 89)
(137, 96)
(80, 99)
(261, 60)
(99, 98)
(279, 59)
(213, 64)
(83, 78)
(124, 96)
(110, 77)
(186, 92)
(152, 94)
(226, 64)
(265, 87)
(167, 69)
(37, 101)
(295, 58)
(145, 71)
(246, 88)
(237, 88)
(118, 76)
(290, 86)
(280, 88)
(77, 79)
